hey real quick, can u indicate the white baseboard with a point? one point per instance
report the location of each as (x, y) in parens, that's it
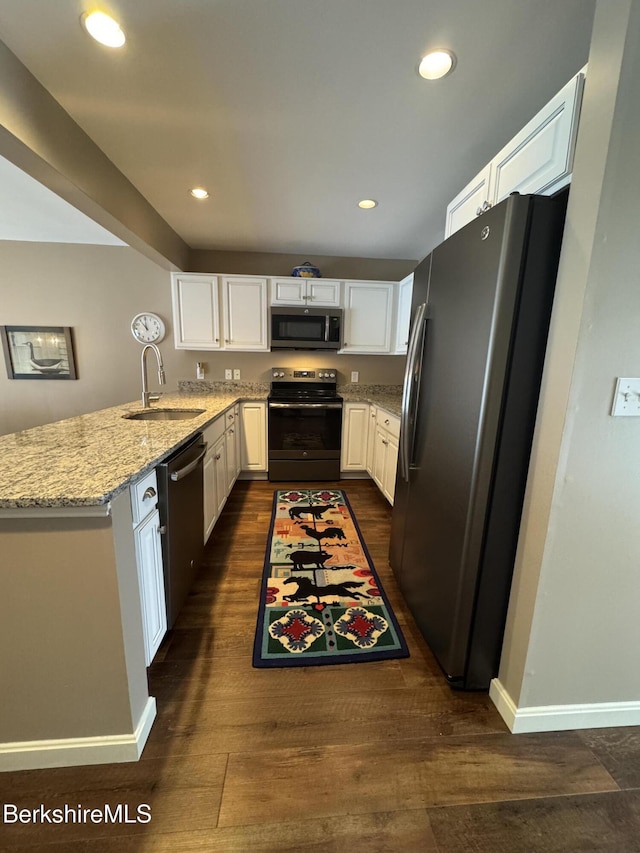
(71, 752)
(558, 718)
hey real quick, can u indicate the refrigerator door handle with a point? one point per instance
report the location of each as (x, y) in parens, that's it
(407, 392)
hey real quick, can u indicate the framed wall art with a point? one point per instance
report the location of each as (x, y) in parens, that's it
(38, 352)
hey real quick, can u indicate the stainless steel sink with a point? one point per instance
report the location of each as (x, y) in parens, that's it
(164, 414)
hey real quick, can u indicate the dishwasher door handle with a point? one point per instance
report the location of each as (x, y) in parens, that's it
(184, 472)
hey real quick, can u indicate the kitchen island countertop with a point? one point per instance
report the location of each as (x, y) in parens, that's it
(86, 460)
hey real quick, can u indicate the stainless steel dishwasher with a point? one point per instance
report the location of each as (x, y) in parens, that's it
(180, 501)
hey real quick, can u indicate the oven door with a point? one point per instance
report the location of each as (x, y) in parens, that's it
(304, 430)
(306, 328)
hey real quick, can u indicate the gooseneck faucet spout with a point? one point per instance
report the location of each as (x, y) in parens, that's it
(148, 398)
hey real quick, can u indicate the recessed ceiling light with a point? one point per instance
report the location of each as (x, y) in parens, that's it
(367, 203)
(437, 64)
(103, 29)
(199, 192)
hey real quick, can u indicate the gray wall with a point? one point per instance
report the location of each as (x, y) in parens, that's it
(573, 630)
(265, 263)
(97, 290)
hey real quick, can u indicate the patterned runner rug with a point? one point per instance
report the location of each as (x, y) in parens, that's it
(321, 601)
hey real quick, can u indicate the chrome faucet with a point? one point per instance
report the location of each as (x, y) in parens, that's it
(147, 397)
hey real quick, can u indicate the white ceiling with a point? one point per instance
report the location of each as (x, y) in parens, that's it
(290, 111)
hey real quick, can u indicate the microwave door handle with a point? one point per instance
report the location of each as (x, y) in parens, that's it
(326, 328)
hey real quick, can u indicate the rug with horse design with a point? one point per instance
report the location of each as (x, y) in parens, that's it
(322, 601)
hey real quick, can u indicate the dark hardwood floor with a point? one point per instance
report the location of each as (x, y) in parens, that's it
(364, 757)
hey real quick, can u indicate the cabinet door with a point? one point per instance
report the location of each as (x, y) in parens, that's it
(323, 292)
(390, 465)
(379, 456)
(238, 428)
(210, 500)
(371, 439)
(540, 157)
(232, 455)
(196, 315)
(288, 291)
(469, 202)
(245, 313)
(368, 317)
(355, 428)
(151, 581)
(253, 436)
(403, 314)
(220, 473)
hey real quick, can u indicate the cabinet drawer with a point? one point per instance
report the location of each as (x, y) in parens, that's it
(144, 497)
(229, 418)
(389, 422)
(213, 432)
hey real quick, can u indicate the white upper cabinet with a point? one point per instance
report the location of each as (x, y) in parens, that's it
(403, 314)
(322, 292)
(368, 316)
(539, 159)
(196, 313)
(244, 302)
(470, 202)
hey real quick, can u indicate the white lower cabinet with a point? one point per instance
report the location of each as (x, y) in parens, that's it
(148, 547)
(214, 472)
(385, 453)
(232, 447)
(371, 438)
(355, 431)
(253, 436)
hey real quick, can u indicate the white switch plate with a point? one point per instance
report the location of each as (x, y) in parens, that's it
(236, 373)
(626, 400)
(355, 376)
(227, 374)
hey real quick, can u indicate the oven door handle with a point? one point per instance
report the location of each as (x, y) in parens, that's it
(305, 405)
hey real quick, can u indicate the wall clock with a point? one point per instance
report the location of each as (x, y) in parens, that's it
(147, 328)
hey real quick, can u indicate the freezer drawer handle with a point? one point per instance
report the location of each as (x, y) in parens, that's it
(183, 472)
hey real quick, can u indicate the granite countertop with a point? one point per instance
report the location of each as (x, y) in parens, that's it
(388, 397)
(87, 460)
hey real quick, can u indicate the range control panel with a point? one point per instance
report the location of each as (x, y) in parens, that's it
(289, 374)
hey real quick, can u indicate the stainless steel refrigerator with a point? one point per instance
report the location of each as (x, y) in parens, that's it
(480, 315)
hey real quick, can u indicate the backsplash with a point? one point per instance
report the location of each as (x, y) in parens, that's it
(201, 386)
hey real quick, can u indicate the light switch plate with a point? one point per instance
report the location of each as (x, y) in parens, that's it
(355, 376)
(236, 373)
(227, 374)
(626, 400)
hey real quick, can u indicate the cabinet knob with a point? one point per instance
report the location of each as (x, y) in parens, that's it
(384, 441)
(162, 529)
(149, 493)
(386, 420)
(217, 456)
(478, 211)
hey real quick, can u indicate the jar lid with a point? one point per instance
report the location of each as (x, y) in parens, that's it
(306, 270)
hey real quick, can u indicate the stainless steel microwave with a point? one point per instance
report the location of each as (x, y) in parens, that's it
(306, 328)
